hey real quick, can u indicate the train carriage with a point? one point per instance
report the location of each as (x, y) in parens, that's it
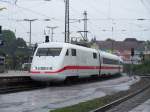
(59, 61)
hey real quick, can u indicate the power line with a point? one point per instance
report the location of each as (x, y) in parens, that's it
(97, 10)
(26, 9)
(35, 12)
(145, 5)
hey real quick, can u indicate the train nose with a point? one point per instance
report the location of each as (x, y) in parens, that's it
(45, 63)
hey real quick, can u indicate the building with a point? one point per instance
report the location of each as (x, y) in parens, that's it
(123, 48)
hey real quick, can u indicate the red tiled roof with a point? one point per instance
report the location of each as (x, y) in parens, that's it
(121, 45)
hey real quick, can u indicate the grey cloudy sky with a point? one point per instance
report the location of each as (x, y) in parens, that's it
(102, 15)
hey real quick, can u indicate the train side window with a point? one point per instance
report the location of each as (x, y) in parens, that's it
(110, 61)
(67, 53)
(73, 52)
(94, 55)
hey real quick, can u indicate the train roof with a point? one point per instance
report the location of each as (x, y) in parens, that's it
(109, 55)
(51, 44)
(68, 45)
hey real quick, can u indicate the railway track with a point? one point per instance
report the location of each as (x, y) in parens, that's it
(28, 84)
(13, 89)
(17, 84)
(11, 84)
(115, 103)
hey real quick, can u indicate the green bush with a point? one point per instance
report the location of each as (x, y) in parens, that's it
(141, 69)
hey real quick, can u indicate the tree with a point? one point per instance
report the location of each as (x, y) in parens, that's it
(8, 35)
(148, 44)
(109, 39)
(9, 39)
(21, 43)
(16, 50)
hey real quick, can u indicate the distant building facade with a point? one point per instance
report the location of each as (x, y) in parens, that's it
(123, 48)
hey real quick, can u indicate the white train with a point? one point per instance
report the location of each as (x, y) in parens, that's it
(59, 61)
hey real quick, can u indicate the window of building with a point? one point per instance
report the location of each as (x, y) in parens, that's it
(73, 52)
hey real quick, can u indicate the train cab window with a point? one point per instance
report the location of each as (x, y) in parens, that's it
(73, 52)
(67, 53)
(48, 52)
(42, 52)
(94, 55)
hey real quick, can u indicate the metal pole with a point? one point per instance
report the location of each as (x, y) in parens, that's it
(30, 36)
(67, 32)
(52, 33)
(85, 24)
(30, 32)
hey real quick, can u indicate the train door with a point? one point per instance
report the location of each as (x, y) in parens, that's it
(94, 62)
(99, 63)
(120, 66)
(74, 62)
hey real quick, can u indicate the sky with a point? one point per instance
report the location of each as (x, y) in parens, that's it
(116, 19)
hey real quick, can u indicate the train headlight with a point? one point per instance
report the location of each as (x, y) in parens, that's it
(34, 68)
(42, 68)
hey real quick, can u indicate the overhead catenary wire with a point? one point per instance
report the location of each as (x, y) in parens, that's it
(96, 14)
(145, 5)
(26, 9)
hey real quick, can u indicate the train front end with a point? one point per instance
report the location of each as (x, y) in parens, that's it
(46, 62)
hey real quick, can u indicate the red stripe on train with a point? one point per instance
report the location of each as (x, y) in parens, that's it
(76, 68)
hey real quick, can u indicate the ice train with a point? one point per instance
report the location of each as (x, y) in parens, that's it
(58, 61)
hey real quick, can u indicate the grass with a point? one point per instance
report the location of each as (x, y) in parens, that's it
(90, 105)
(82, 107)
(141, 69)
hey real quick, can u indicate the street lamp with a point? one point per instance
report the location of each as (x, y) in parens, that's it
(2, 8)
(30, 21)
(52, 31)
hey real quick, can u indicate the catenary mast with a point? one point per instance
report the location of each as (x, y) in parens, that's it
(67, 32)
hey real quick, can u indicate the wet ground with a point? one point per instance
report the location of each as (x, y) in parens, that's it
(145, 107)
(49, 98)
(138, 103)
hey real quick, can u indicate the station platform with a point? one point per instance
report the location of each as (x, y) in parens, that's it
(14, 74)
(145, 107)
